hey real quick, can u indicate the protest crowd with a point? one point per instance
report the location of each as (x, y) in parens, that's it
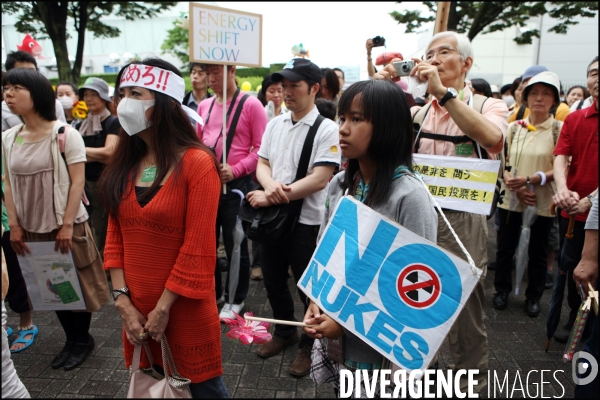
(139, 185)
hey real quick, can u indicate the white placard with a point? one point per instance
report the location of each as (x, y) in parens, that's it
(458, 183)
(51, 278)
(396, 291)
(225, 36)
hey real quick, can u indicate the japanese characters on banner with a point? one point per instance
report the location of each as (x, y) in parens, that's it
(393, 289)
(224, 36)
(154, 78)
(458, 183)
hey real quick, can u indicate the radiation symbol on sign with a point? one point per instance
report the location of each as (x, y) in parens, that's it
(419, 286)
(411, 291)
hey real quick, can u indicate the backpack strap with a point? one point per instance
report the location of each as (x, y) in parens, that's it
(420, 115)
(307, 149)
(508, 141)
(62, 141)
(478, 102)
(556, 127)
(234, 122)
(521, 112)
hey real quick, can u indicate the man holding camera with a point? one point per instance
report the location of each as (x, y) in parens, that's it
(377, 41)
(448, 58)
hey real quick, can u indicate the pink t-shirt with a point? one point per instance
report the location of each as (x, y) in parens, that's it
(243, 155)
(439, 121)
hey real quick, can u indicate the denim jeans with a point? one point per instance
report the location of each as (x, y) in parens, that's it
(296, 252)
(229, 208)
(213, 388)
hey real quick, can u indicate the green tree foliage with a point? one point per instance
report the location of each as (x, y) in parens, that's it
(475, 17)
(48, 19)
(177, 44)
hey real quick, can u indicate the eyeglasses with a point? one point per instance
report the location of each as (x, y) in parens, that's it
(13, 89)
(442, 53)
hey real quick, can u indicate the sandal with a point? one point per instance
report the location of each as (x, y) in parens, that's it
(9, 331)
(22, 333)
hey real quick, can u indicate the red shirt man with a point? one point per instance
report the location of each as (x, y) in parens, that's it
(579, 140)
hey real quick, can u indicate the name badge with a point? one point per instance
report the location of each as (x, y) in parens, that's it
(464, 149)
(149, 174)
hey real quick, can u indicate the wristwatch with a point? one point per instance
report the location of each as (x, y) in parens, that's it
(590, 198)
(117, 292)
(450, 94)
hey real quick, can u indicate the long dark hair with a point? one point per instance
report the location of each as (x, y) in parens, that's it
(385, 105)
(172, 133)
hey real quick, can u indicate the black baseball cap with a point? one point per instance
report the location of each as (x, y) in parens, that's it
(298, 69)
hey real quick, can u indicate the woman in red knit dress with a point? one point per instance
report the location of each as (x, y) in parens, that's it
(161, 190)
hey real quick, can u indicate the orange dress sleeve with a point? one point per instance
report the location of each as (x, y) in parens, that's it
(193, 273)
(113, 248)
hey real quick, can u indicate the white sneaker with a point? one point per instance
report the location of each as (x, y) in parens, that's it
(221, 299)
(229, 309)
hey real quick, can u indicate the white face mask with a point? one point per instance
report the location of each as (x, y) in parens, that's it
(66, 102)
(132, 114)
(509, 100)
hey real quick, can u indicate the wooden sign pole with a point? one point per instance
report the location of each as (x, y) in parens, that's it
(441, 18)
(224, 121)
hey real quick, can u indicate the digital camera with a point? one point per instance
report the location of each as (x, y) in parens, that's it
(403, 68)
(378, 41)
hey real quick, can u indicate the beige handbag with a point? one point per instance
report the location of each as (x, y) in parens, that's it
(149, 384)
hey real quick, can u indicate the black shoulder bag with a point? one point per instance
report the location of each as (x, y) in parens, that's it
(274, 224)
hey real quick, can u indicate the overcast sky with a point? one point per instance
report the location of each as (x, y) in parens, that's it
(333, 33)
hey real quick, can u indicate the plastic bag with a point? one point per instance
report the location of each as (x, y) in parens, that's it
(416, 87)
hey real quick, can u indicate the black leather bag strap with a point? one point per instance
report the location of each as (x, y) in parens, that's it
(234, 122)
(520, 113)
(446, 138)
(307, 149)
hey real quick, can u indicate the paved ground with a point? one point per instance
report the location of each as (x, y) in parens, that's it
(516, 344)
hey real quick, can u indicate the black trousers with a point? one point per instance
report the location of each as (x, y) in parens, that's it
(229, 208)
(508, 240)
(570, 255)
(76, 325)
(17, 297)
(296, 252)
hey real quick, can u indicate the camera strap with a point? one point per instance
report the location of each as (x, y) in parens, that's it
(233, 99)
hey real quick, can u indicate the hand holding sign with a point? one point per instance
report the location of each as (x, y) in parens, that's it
(321, 326)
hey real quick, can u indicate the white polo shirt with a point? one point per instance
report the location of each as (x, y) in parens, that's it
(282, 146)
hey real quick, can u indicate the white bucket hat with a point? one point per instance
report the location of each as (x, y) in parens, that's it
(547, 78)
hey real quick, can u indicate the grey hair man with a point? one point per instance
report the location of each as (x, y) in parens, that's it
(453, 112)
